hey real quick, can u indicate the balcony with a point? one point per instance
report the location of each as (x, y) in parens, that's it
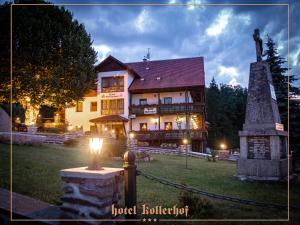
(162, 109)
(169, 135)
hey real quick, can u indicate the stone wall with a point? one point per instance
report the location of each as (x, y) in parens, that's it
(89, 194)
(4, 121)
(21, 138)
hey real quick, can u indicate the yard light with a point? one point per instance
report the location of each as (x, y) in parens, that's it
(223, 146)
(95, 151)
(131, 135)
(185, 141)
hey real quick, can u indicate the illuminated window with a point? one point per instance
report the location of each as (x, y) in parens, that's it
(112, 107)
(168, 125)
(79, 107)
(93, 107)
(143, 127)
(112, 84)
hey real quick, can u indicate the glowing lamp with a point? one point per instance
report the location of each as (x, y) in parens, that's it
(70, 128)
(105, 129)
(185, 141)
(222, 146)
(113, 131)
(131, 135)
(95, 145)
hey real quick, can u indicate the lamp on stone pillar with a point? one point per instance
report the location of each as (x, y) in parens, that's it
(95, 145)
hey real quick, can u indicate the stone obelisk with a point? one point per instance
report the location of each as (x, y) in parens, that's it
(263, 141)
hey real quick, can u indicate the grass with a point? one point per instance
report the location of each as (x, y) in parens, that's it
(36, 174)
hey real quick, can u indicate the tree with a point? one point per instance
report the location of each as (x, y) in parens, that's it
(282, 84)
(212, 96)
(53, 61)
(280, 80)
(225, 113)
(294, 120)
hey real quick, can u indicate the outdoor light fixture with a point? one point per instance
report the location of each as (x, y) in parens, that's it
(131, 135)
(95, 151)
(223, 146)
(185, 141)
(105, 129)
(113, 131)
(70, 127)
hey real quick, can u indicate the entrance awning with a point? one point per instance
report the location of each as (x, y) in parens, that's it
(110, 118)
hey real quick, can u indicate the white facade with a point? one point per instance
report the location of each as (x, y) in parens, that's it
(82, 118)
(152, 98)
(152, 122)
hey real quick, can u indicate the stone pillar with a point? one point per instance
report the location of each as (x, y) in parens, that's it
(90, 194)
(262, 141)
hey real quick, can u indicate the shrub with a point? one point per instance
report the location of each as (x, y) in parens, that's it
(198, 206)
(213, 153)
(71, 142)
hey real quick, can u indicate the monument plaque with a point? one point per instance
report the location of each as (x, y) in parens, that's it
(259, 147)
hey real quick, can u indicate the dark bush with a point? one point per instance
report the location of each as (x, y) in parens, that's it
(199, 207)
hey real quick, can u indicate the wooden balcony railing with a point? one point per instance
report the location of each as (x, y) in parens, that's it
(169, 134)
(168, 108)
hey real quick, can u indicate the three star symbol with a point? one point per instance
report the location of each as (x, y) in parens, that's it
(149, 220)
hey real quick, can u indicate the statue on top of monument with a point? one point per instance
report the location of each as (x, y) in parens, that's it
(258, 45)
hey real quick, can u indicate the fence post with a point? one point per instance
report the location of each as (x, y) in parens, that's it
(130, 181)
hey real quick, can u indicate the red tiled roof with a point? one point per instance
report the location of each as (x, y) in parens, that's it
(173, 73)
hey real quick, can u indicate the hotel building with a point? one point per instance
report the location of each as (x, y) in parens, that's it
(159, 101)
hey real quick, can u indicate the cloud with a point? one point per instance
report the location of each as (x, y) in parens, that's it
(192, 4)
(229, 73)
(221, 34)
(102, 51)
(144, 22)
(295, 57)
(220, 23)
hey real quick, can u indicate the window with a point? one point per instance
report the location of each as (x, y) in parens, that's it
(143, 101)
(112, 84)
(93, 107)
(112, 107)
(143, 127)
(168, 125)
(79, 106)
(168, 100)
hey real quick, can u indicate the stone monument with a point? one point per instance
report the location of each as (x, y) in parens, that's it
(263, 141)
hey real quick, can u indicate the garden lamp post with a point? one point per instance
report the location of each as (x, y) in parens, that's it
(223, 146)
(185, 142)
(131, 135)
(95, 145)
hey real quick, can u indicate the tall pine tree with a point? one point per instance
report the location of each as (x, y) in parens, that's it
(280, 80)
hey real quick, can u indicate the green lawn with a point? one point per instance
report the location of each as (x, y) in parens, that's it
(36, 174)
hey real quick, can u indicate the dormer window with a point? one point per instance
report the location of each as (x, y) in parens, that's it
(157, 78)
(142, 78)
